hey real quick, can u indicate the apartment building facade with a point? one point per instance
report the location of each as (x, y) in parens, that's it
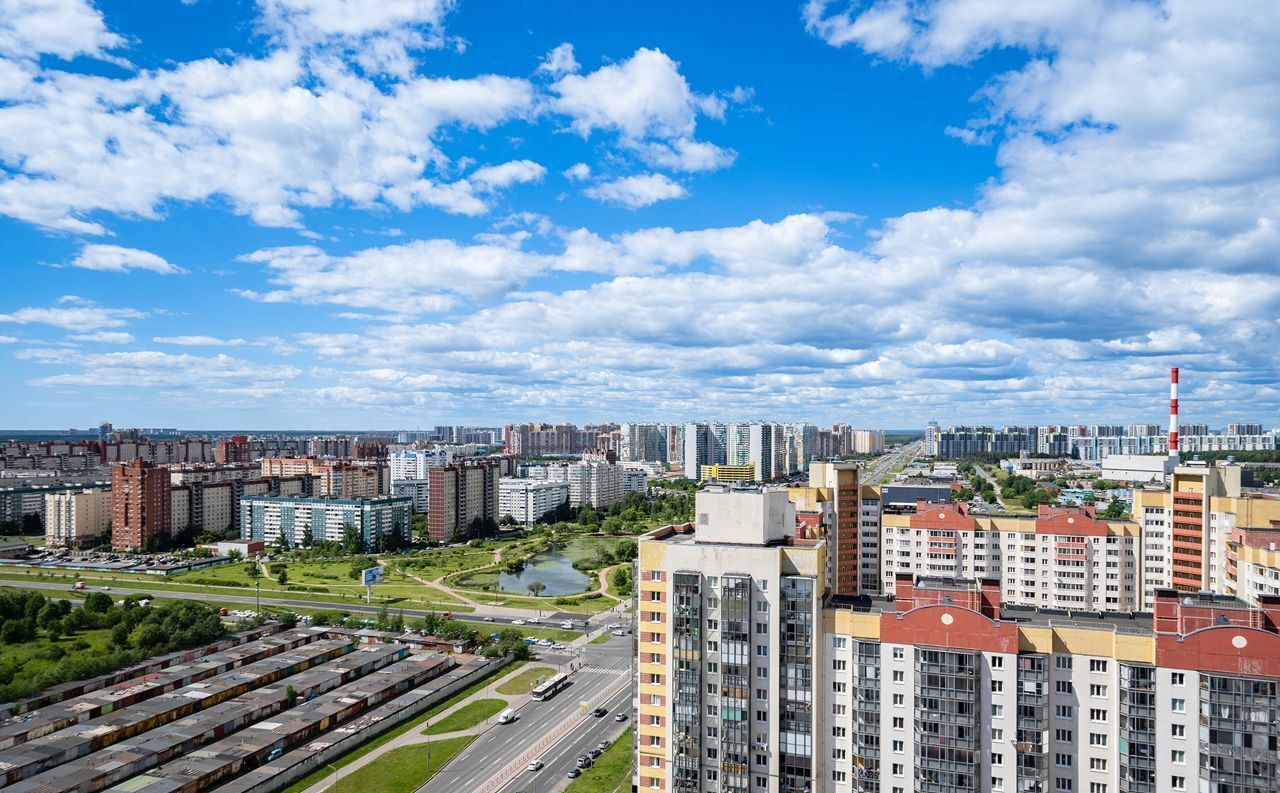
(77, 518)
(334, 478)
(745, 686)
(1063, 558)
(461, 494)
(298, 521)
(527, 500)
(140, 505)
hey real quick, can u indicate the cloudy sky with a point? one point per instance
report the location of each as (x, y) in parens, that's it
(397, 213)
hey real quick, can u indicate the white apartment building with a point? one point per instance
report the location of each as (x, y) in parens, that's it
(527, 500)
(634, 480)
(1064, 558)
(594, 482)
(302, 520)
(417, 490)
(77, 518)
(415, 463)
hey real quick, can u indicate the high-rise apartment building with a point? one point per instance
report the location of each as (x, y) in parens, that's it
(140, 505)
(335, 478)
(705, 443)
(931, 433)
(832, 497)
(527, 500)
(462, 493)
(414, 463)
(729, 665)
(77, 518)
(752, 444)
(643, 443)
(752, 679)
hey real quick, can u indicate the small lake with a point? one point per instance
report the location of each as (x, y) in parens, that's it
(553, 569)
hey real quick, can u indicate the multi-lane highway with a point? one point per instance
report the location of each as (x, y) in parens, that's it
(505, 744)
(881, 468)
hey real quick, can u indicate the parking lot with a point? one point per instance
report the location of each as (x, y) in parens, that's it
(106, 562)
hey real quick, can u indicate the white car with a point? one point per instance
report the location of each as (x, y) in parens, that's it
(616, 633)
(536, 765)
(532, 620)
(559, 647)
(488, 619)
(545, 643)
(517, 622)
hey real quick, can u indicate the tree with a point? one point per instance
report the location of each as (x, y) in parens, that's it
(283, 578)
(120, 635)
(97, 602)
(252, 570)
(612, 525)
(351, 541)
(620, 580)
(290, 696)
(32, 523)
(1116, 510)
(384, 618)
(235, 555)
(536, 587)
(587, 516)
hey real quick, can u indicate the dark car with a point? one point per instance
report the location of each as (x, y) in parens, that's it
(598, 712)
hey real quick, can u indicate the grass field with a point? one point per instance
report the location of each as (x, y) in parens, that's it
(601, 639)
(611, 772)
(467, 716)
(404, 769)
(524, 682)
(532, 631)
(417, 721)
(413, 596)
(28, 659)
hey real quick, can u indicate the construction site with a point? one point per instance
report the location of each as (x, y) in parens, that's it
(248, 714)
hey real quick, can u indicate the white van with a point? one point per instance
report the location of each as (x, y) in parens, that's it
(507, 716)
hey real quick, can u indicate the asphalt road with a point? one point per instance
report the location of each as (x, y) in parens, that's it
(881, 467)
(504, 743)
(237, 600)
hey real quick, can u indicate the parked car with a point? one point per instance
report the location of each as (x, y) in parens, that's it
(517, 622)
(574, 773)
(594, 753)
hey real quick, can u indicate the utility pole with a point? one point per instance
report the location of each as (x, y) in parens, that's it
(257, 590)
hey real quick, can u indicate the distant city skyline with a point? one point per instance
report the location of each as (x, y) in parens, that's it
(279, 214)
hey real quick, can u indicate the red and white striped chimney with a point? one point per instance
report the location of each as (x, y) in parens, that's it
(1173, 415)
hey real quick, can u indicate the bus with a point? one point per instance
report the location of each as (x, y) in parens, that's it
(548, 689)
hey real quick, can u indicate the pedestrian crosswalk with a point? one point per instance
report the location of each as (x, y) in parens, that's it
(599, 671)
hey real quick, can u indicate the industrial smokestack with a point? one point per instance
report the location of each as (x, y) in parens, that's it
(1173, 415)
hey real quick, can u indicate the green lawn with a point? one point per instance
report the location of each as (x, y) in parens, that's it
(524, 682)
(601, 639)
(467, 716)
(29, 659)
(395, 732)
(611, 772)
(532, 631)
(413, 595)
(404, 769)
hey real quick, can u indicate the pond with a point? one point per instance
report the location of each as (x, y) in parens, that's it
(553, 569)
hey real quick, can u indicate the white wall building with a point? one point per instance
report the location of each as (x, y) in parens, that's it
(77, 519)
(414, 463)
(527, 500)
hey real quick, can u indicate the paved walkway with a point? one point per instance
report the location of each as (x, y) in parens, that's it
(415, 737)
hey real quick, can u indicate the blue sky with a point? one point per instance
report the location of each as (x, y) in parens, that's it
(331, 213)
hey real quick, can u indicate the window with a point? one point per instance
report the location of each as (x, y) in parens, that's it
(997, 662)
(839, 642)
(1097, 739)
(1177, 678)
(997, 783)
(1178, 782)
(1062, 661)
(997, 758)
(1097, 787)
(838, 687)
(997, 736)
(838, 732)
(997, 711)
(897, 722)
(1063, 736)
(898, 652)
(1097, 690)
(1097, 764)
(839, 665)
(1062, 783)
(898, 676)
(1065, 711)
(1178, 756)
(762, 651)
(1064, 687)
(898, 747)
(762, 716)
(837, 710)
(1097, 665)
(899, 699)
(1178, 730)
(837, 776)
(897, 769)
(1063, 760)
(1178, 705)
(997, 686)
(1097, 714)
